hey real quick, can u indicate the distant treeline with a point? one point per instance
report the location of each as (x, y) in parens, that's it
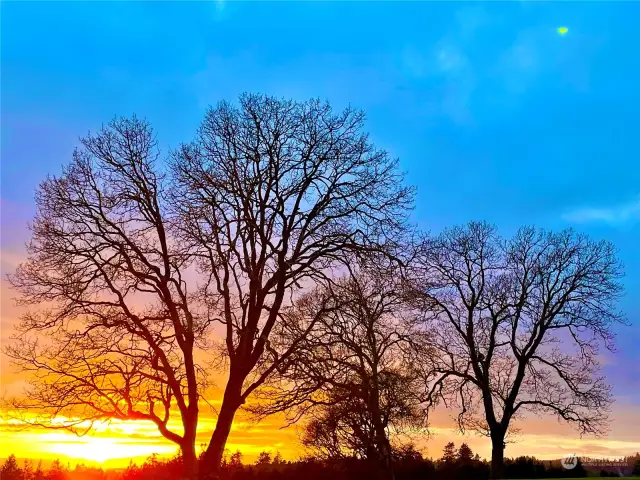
(409, 464)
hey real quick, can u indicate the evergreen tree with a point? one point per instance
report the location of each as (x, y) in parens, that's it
(57, 471)
(465, 455)
(10, 469)
(449, 454)
(39, 473)
(264, 458)
(27, 470)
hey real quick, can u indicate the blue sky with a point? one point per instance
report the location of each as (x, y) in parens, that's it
(493, 114)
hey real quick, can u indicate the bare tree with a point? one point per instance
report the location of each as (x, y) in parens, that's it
(340, 429)
(112, 331)
(274, 194)
(517, 324)
(353, 371)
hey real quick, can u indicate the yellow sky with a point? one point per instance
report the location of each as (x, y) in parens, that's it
(115, 444)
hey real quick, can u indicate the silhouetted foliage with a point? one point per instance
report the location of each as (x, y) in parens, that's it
(448, 454)
(278, 460)
(606, 473)
(57, 471)
(10, 469)
(264, 458)
(88, 473)
(464, 455)
(409, 464)
(460, 463)
(524, 467)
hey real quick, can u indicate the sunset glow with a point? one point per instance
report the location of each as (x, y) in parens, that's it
(113, 446)
(184, 222)
(102, 449)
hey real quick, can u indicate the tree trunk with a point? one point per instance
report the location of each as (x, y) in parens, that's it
(497, 455)
(387, 458)
(213, 455)
(382, 441)
(189, 461)
(190, 458)
(384, 448)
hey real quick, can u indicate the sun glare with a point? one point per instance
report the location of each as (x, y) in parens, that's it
(102, 449)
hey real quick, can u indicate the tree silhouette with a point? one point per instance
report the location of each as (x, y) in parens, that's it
(10, 469)
(465, 455)
(236, 459)
(448, 454)
(341, 430)
(27, 470)
(277, 459)
(131, 472)
(264, 458)
(39, 472)
(112, 331)
(499, 312)
(353, 372)
(57, 471)
(274, 194)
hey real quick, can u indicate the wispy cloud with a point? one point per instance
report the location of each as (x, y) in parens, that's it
(620, 214)
(482, 70)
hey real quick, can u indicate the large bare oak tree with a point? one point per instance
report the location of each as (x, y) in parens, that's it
(517, 324)
(273, 195)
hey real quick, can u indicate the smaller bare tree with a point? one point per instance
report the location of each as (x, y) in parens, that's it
(352, 374)
(112, 330)
(517, 325)
(340, 429)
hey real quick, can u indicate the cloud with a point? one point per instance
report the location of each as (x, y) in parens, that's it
(487, 61)
(621, 214)
(463, 72)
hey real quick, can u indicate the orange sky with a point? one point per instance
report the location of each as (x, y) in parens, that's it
(113, 445)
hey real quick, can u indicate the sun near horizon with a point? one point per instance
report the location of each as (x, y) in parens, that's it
(113, 445)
